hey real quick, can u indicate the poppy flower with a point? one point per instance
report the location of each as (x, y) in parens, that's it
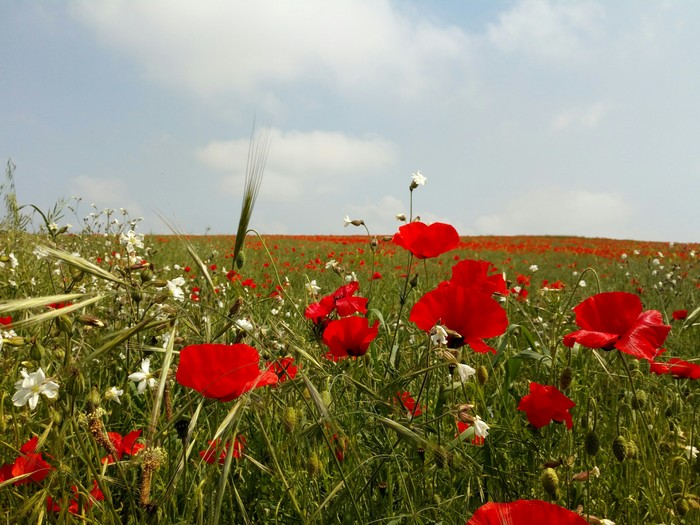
(481, 275)
(283, 368)
(28, 462)
(476, 440)
(124, 445)
(222, 372)
(343, 301)
(545, 404)
(616, 320)
(678, 368)
(409, 404)
(209, 455)
(96, 495)
(679, 315)
(473, 315)
(349, 336)
(6, 322)
(424, 241)
(524, 512)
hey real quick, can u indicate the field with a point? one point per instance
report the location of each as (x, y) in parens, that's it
(337, 402)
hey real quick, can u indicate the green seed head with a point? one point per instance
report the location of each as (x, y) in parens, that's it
(482, 375)
(620, 448)
(565, 378)
(591, 443)
(550, 482)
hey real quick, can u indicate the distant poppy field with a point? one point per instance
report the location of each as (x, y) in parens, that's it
(411, 377)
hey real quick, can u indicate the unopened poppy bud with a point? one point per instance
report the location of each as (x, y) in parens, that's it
(619, 448)
(482, 374)
(136, 295)
(147, 275)
(240, 259)
(682, 506)
(36, 352)
(565, 378)
(640, 400)
(632, 449)
(374, 243)
(414, 281)
(591, 443)
(181, 427)
(550, 483)
(77, 275)
(159, 283)
(63, 229)
(290, 418)
(64, 324)
(90, 320)
(235, 307)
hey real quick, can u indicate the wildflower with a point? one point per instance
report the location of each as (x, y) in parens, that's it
(354, 222)
(30, 464)
(582, 283)
(407, 402)
(30, 386)
(113, 393)
(144, 377)
(131, 240)
(481, 275)
(244, 324)
(349, 336)
(616, 320)
(545, 404)
(465, 372)
(469, 315)
(283, 368)
(424, 241)
(534, 268)
(343, 301)
(222, 372)
(312, 288)
(524, 512)
(74, 507)
(124, 445)
(209, 454)
(438, 335)
(417, 179)
(691, 452)
(400, 217)
(679, 315)
(678, 368)
(481, 428)
(174, 287)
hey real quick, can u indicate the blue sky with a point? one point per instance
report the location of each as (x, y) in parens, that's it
(526, 117)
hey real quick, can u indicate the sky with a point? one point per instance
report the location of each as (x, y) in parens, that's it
(527, 117)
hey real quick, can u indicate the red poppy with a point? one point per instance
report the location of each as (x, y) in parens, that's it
(222, 372)
(96, 495)
(476, 440)
(409, 404)
(616, 320)
(124, 445)
(343, 301)
(524, 512)
(546, 403)
(28, 462)
(482, 275)
(471, 314)
(209, 455)
(283, 368)
(349, 336)
(678, 368)
(376, 275)
(679, 315)
(6, 321)
(424, 241)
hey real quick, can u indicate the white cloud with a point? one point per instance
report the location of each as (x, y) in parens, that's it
(548, 30)
(587, 117)
(217, 46)
(315, 162)
(556, 211)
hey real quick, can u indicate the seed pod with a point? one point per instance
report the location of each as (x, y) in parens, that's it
(632, 449)
(565, 378)
(682, 506)
(550, 483)
(290, 418)
(14, 341)
(314, 466)
(640, 400)
(482, 375)
(620, 448)
(591, 443)
(240, 259)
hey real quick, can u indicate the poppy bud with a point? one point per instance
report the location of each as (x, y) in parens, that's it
(94, 397)
(235, 307)
(682, 507)
(619, 448)
(632, 449)
(181, 426)
(136, 295)
(90, 320)
(14, 341)
(640, 400)
(414, 281)
(482, 375)
(64, 324)
(591, 443)
(290, 418)
(565, 378)
(550, 483)
(36, 352)
(240, 259)
(382, 488)
(147, 275)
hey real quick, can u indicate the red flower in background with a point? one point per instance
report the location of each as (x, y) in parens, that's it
(678, 368)
(546, 403)
(96, 495)
(343, 301)
(409, 404)
(424, 241)
(472, 314)
(283, 368)
(28, 462)
(124, 445)
(6, 321)
(481, 275)
(209, 455)
(349, 336)
(524, 512)
(679, 315)
(616, 320)
(222, 372)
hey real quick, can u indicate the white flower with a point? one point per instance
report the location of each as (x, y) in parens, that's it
(465, 372)
(330, 265)
(623, 256)
(582, 283)
(400, 217)
(40, 252)
(418, 179)
(655, 262)
(30, 386)
(113, 393)
(174, 287)
(438, 335)
(534, 268)
(606, 521)
(351, 277)
(481, 429)
(312, 287)
(131, 240)
(244, 324)
(144, 377)
(347, 221)
(691, 452)
(13, 260)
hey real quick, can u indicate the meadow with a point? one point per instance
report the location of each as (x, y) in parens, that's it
(389, 379)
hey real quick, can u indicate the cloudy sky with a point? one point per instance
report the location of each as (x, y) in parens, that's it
(526, 117)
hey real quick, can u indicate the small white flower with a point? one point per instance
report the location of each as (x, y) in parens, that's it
(623, 256)
(691, 452)
(14, 263)
(655, 262)
(636, 252)
(175, 288)
(131, 240)
(331, 265)
(30, 386)
(312, 287)
(606, 521)
(582, 283)
(400, 217)
(350, 277)
(347, 221)
(418, 179)
(244, 324)
(481, 429)
(534, 268)
(144, 377)
(438, 335)
(113, 393)
(465, 372)
(39, 252)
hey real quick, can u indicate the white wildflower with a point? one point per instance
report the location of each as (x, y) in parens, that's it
(347, 221)
(14, 263)
(131, 240)
(623, 256)
(312, 287)
(691, 452)
(438, 335)
(144, 377)
(30, 386)
(244, 324)
(418, 179)
(330, 265)
(582, 283)
(534, 268)
(400, 217)
(465, 372)
(113, 393)
(481, 428)
(39, 252)
(352, 276)
(175, 288)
